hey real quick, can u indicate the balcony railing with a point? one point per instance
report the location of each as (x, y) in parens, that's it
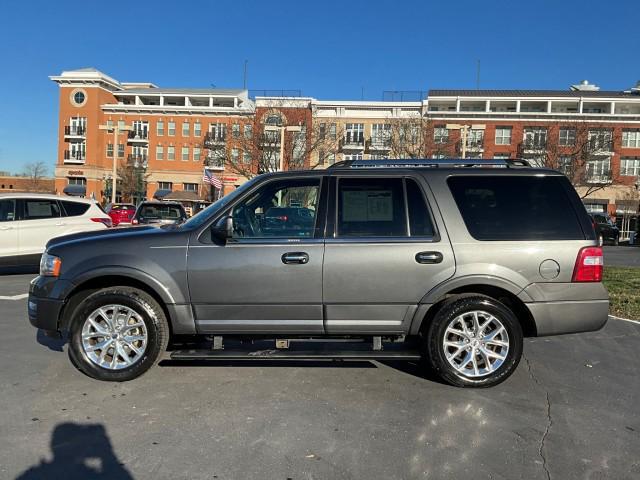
(532, 147)
(139, 135)
(214, 162)
(352, 142)
(270, 139)
(138, 160)
(214, 140)
(75, 131)
(378, 143)
(599, 178)
(74, 156)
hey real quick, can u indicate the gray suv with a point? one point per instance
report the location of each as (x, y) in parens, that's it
(447, 261)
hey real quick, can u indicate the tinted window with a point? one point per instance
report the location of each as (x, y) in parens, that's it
(40, 209)
(284, 209)
(74, 209)
(371, 207)
(7, 210)
(419, 218)
(516, 208)
(165, 212)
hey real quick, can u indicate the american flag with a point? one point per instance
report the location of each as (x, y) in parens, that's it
(211, 179)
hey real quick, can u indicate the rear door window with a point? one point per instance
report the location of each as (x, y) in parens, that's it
(74, 209)
(420, 223)
(516, 207)
(40, 209)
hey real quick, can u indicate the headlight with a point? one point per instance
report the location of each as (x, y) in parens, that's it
(50, 265)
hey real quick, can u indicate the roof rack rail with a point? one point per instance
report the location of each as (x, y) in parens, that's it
(431, 163)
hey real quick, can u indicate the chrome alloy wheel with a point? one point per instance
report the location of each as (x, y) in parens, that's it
(476, 344)
(114, 337)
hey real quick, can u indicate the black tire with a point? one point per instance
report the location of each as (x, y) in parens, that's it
(435, 354)
(145, 306)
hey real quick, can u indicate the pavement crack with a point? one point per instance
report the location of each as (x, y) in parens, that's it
(541, 444)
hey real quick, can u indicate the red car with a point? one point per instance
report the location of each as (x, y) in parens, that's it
(120, 212)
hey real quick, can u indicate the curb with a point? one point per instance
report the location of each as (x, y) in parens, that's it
(637, 322)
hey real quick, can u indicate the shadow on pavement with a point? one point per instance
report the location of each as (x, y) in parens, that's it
(79, 452)
(20, 270)
(52, 343)
(269, 363)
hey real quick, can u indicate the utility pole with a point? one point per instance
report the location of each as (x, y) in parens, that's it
(478, 76)
(244, 78)
(464, 133)
(116, 129)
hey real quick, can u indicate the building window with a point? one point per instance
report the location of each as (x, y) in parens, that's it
(121, 125)
(441, 134)
(599, 170)
(274, 119)
(159, 152)
(235, 130)
(565, 164)
(248, 131)
(190, 187)
(160, 128)
(217, 132)
(197, 129)
(567, 137)
(172, 128)
(165, 186)
(185, 129)
(171, 153)
(630, 166)
(354, 134)
(381, 134)
(196, 154)
(631, 138)
(328, 131)
(185, 154)
(77, 181)
(78, 97)
(121, 150)
(235, 155)
(246, 157)
(109, 149)
(535, 137)
(600, 139)
(475, 139)
(109, 124)
(503, 135)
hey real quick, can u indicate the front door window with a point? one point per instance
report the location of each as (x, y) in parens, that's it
(280, 209)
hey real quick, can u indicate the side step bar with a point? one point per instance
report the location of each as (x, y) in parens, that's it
(281, 354)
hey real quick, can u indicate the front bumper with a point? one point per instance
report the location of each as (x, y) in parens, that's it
(47, 296)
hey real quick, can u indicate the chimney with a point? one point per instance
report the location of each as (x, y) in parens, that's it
(585, 86)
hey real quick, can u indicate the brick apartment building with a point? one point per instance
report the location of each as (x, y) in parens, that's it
(14, 184)
(179, 132)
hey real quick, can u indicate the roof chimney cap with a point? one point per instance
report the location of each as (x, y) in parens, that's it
(585, 86)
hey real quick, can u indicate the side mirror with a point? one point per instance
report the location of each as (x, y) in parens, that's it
(223, 229)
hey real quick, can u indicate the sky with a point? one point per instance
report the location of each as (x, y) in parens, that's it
(327, 49)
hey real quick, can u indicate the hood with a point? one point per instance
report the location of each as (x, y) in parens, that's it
(109, 234)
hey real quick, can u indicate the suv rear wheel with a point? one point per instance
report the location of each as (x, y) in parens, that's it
(117, 334)
(474, 341)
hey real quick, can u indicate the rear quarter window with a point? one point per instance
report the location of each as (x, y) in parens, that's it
(74, 209)
(516, 207)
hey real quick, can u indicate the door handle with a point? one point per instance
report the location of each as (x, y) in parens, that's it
(295, 257)
(428, 257)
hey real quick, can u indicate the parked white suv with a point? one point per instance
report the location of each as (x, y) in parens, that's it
(29, 220)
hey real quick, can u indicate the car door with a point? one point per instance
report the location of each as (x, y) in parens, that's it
(8, 228)
(39, 221)
(268, 277)
(385, 253)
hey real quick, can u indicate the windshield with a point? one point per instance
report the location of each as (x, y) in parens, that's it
(203, 215)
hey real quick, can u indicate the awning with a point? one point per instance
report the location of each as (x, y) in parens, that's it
(75, 190)
(161, 193)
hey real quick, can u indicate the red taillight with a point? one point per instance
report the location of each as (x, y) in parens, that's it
(282, 218)
(134, 222)
(589, 265)
(106, 221)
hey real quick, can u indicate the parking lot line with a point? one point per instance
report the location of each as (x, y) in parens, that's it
(625, 319)
(14, 297)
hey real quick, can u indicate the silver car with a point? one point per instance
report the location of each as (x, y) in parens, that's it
(442, 260)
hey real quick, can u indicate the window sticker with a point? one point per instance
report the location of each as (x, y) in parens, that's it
(367, 206)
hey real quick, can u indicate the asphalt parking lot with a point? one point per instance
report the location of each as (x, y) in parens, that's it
(623, 256)
(570, 411)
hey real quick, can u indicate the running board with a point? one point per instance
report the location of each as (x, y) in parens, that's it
(284, 354)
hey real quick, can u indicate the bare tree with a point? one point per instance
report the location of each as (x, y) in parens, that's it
(132, 180)
(581, 150)
(421, 137)
(35, 171)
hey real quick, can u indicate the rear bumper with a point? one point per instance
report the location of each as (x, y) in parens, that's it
(555, 318)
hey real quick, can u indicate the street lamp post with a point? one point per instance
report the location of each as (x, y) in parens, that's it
(275, 128)
(116, 129)
(464, 131)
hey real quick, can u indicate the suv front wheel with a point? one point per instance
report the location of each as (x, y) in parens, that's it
(117, 334)
(474, 341)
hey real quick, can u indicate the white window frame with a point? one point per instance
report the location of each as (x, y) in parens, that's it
(159, 152)
(630, 166)
(160, 128)
(503, 135)
(171, 153)
(196, 154)
(184, 154)
(171, 128)
(631, 138)
(197, 129)
(567, 136)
